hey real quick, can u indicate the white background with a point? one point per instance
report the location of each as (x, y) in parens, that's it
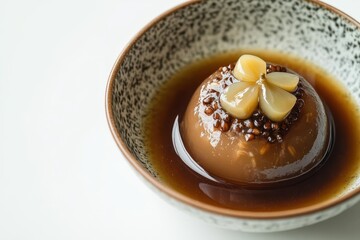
(61, 174)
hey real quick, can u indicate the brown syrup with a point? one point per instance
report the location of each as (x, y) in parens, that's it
(331, 180)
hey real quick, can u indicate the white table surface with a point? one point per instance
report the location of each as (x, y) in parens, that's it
(61, 174)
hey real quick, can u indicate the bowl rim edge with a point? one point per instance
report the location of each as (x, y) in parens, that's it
(171, 193)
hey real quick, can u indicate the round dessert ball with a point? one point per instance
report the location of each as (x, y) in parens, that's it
(256, 150)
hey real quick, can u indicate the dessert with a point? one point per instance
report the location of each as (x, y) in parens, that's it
(256, 124)
(335, 174)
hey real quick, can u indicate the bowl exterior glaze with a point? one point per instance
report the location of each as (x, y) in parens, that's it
(260, 225)
(197, 29)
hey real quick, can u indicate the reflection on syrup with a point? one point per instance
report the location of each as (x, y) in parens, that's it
(183, 153)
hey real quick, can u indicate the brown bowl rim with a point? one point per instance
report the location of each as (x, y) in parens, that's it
(173, 193)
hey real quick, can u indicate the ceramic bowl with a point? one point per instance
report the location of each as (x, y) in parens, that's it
(312, 30)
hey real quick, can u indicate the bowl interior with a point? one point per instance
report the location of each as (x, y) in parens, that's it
(193, 31)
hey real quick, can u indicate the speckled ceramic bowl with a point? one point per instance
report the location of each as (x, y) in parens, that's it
(196, 29)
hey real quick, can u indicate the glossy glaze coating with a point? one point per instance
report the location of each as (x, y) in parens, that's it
(229, 156)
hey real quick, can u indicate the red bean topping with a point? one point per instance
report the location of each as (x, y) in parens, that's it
(279, 138)
(216, 123)
(249, 137)
(274, 126)
(208, 100)
(226, 117)
(215, 105)
(284, 126)
(209, 110)
(299, 93)
(265, 134)
(271, 139)
(212, 90)
(300, 103)
(237, 128)
(216, 116)
(224, 127)
(248, 123)
(267, 125)
(257, 123)
(256, 126)
(256, 131)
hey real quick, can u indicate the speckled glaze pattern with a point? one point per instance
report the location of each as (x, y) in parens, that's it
(209, 27)
(262, 225)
